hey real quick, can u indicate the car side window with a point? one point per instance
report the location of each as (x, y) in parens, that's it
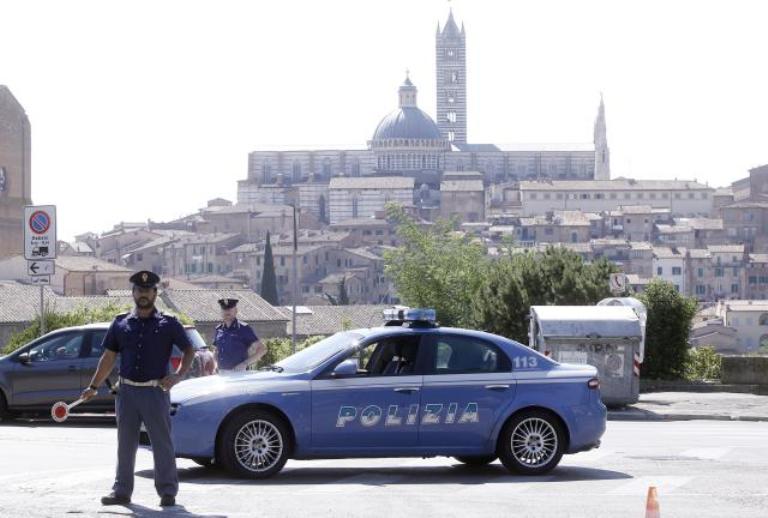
(97, 339)
(60, 347)
(455, 354)
(394, 356)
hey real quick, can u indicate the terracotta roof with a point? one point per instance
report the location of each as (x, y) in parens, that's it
(202, 305)
(327, 320)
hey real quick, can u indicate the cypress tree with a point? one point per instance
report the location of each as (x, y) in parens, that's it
(343, 296)
(268, 280)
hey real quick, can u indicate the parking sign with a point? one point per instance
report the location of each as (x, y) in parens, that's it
(39, 232)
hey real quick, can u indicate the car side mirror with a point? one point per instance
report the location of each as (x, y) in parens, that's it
(346, 369)
(24, 358)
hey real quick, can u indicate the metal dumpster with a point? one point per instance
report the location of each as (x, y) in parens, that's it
(608, 337)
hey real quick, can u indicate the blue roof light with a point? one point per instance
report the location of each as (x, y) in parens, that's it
(410, 315)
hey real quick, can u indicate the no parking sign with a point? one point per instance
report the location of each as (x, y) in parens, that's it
(40, 232)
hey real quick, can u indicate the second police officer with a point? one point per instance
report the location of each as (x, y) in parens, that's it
(237, 346)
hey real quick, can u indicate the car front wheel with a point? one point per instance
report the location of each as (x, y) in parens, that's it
(531, 443)
(254, 444)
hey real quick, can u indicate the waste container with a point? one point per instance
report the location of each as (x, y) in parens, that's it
(608, 337)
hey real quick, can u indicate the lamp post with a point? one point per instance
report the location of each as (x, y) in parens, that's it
(295, 280)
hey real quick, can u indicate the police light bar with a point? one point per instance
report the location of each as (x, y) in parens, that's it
(410, 315)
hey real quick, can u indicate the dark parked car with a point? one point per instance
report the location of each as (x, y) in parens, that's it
(56, 367)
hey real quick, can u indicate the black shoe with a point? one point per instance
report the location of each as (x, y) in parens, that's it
(167, 501)
(113, 499)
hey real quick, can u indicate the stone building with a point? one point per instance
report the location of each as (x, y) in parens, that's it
(680, 197)
(15, 172)
(409, 142)
(365, 197)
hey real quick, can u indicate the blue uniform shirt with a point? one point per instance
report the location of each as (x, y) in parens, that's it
(232, 343)
(145, 344)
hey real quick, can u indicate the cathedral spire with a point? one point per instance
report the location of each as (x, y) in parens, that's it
(602, 152)
(407, 92)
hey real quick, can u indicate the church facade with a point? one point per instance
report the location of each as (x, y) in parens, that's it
(409, 142)
(15, 172)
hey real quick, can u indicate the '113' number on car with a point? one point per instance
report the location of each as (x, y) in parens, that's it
(525, 362)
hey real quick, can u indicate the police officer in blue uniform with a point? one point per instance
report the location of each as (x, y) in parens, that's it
(237, 346)
(144, 339)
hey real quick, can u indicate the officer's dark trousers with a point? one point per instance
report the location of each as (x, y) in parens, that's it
(150, 405)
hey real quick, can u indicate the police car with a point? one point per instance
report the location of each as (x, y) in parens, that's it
(408, 389)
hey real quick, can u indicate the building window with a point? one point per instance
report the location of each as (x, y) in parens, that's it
(718, 272)
(327, 167)
(734, 288)
(753, 279)
(676, 270)
(763, 321)
(356, 168)
(659, 271)
(700, 272)
(700, 289)
(451, 138)
(296, 171)
(451, 116)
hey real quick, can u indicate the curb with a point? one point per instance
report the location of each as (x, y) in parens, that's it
(646, 415)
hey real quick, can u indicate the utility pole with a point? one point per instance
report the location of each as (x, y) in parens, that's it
(294, 274)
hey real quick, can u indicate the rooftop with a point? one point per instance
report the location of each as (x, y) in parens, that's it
(327, 320)
(462, 186)
(619, 184)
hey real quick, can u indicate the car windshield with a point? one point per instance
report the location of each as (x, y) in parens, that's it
(195, 338)
(316, 354)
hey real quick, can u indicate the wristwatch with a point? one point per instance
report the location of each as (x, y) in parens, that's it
(93, 387)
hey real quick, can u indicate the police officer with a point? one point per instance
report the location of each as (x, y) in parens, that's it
(144, 339)
(237, 346)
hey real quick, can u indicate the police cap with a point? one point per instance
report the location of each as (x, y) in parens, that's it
(145, 279)
(228, 303)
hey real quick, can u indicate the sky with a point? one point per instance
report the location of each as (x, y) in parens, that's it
(147, 109)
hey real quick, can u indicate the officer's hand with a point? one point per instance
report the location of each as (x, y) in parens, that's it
(169, 381)
(88, 393)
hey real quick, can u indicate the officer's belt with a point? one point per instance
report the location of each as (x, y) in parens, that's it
(150, 383)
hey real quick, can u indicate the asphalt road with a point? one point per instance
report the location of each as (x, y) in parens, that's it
(701, 469)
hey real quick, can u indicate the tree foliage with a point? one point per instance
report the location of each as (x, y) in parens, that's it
(436, 268)
(517, 281)
(667, 329)
(268, 279)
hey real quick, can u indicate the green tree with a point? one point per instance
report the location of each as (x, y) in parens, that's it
(516, 281)
(667, 329)
(436, 267)
(268, 279)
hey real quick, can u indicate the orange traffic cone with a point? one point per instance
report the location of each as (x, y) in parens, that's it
(652, 504)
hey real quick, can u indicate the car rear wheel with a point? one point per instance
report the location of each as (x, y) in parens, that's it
(477, 460)
(254, 444)
(5, 414)
(531, 443)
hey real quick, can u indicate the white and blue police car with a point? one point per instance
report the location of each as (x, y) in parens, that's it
(408, 389)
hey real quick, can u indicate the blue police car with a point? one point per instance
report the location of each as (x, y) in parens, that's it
(408, 389)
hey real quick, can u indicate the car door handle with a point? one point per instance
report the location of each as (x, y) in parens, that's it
(407, 390)
(497, 387)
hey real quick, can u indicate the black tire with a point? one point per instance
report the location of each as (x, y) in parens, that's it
(259, 426)
(477, 460)
(540, 442)
(5, 414)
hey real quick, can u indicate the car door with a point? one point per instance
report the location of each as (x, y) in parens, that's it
(376, 411)
(467, 382)
(92, 353)
(52, 372)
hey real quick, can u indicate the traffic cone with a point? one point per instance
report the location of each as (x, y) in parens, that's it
(652, 504)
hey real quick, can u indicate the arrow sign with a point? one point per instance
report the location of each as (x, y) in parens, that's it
(40, 268)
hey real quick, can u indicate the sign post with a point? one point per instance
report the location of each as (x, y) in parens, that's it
(40, 248)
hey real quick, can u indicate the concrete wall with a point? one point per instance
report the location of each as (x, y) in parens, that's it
(751, 370)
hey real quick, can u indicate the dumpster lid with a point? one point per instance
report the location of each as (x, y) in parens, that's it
(586, 321)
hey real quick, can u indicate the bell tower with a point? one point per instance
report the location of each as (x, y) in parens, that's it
(451, 94)
(15, 175)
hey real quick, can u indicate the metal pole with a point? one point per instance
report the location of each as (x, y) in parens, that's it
(42, 312)
(295, 283)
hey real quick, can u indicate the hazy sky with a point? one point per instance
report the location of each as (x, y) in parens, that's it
(148, 109)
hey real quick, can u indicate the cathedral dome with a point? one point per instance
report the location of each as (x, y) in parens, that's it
(407, 122)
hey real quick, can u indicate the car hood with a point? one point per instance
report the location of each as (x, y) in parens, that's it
(578, 369)
(210, 387)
